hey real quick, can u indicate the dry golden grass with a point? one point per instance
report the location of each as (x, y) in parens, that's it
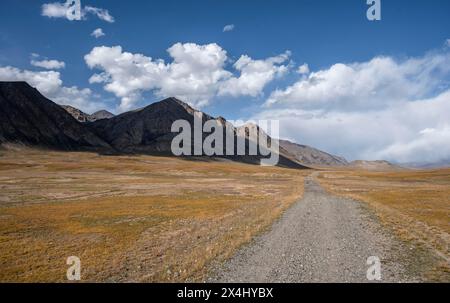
(415, 204)
(136, 218)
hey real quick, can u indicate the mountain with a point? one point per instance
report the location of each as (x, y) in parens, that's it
(428, 165)
(252, 132)
(302, 154)
(379, 165)
(311, 156)
(101, 115)
(83, 117)
(27, 117)
(76, 113)
(148, 130)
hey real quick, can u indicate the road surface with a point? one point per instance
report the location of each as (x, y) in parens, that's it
(322, 238)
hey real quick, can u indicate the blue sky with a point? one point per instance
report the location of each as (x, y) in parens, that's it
(319, 33)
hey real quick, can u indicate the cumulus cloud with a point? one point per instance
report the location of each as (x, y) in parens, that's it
(196, 74)
(228, 28)
(54, 10)
(303, 69)
(372, 84)
(61, 10)
(48, 64)
(384, 108)
(254, 75)
(49, 83)
(98, 33)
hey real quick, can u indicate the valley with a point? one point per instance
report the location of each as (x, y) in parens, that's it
(160, 219)
(131, 218)
(109, 191)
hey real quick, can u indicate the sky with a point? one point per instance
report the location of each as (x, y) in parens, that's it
(335, 80)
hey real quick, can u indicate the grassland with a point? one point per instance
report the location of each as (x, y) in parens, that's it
(414, 204)
(133, 218)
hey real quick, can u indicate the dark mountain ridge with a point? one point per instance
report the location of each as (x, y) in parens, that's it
(28, 118)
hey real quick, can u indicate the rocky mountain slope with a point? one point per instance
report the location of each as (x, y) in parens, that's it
(27, 117)
(101, 115)
(148, 130)
(311, 156)
(305, 155)
(82, 117)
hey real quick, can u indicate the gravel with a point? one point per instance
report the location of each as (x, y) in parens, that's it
(322, 238)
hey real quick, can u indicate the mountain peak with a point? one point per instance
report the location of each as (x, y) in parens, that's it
(27, 117)
(101, 115)
(82, 117)
(177, 101)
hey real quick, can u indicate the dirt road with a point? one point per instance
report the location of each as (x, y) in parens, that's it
(322, 238)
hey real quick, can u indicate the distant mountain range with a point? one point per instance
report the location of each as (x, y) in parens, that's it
(83, 117)
(379, 165)
(440, 164)
(28, 118)
(312, 156)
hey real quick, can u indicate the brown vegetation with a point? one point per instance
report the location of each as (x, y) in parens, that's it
(131, 218)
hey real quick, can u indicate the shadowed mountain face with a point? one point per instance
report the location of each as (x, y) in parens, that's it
(83, 117)
(148, 130)
(27, 117)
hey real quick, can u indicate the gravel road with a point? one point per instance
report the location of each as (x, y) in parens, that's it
(322, 238)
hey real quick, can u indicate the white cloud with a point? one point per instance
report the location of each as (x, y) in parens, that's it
(254, 75)
(447, 43)
(303, 69)
(368, 85)
(196, 74)
(429, 146)
(60, 10)
(98, 33)
(49, 83)
(48, 64)
(54, 10)
(381, 109)
(228, 28)
(101, 13)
